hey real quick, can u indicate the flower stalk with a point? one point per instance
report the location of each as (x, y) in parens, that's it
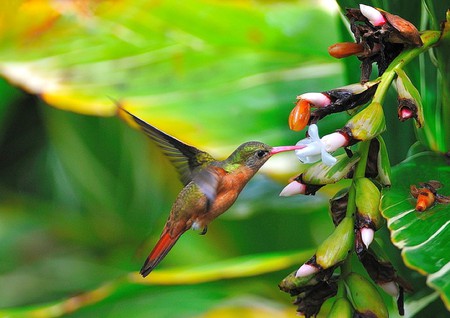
(391, 43)
(429, 39)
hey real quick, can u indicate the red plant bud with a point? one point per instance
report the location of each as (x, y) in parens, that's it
(344, 49)
(425, 199)
(405, 113)
(299, 117)
(427, 195)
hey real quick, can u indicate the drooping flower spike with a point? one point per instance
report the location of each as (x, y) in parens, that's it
(380, 37)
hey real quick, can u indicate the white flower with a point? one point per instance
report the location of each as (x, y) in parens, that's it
(317, 149)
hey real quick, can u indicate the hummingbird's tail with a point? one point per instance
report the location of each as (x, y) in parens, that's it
(164, 245)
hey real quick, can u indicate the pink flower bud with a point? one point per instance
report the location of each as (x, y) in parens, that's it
(367, 235)
(293, 188)
(316, 99)
(306, 270)
(373, 15)
(405, 113)
(334, 141)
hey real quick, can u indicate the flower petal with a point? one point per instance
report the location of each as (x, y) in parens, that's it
(327, 159)
(311, 153)
(313, 132)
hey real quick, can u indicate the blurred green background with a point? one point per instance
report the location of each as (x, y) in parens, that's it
(83, 196)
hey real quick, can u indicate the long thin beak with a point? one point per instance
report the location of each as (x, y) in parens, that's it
(276, 150)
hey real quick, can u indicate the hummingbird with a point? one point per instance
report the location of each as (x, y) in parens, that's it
(210, 186)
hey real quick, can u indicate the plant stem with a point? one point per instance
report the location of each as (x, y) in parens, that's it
(360, 172)
(429, 38)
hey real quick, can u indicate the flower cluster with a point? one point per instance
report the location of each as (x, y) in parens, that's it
(380, 38)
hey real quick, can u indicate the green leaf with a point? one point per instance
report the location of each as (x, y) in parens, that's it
(190, 68)
(434, 84)
(424, 237)
(119, 289)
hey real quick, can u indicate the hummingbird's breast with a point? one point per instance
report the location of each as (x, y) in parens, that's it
(228, 190)
(192, 208)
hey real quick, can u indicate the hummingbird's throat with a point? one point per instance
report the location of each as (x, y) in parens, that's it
(276, 150)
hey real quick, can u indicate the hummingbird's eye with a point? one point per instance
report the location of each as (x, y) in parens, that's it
(261, 153)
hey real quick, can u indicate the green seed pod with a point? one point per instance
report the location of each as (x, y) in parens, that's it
(341, 309)
(364, 297)
(383, 164)
(291, 284)
(320, 173)
(368, 123)
(336, 247)
(367, 202)
(357, 88)
(409, 100)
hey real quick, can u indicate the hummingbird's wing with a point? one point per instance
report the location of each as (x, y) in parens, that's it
(207, 179)
(188, 160)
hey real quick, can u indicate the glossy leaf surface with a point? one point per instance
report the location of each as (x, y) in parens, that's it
(424, 237)
(173, 63)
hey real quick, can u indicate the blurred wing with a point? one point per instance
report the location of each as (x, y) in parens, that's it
(207, 180)
(185, 158)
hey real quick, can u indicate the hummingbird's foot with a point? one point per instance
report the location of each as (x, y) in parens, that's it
(205, 229)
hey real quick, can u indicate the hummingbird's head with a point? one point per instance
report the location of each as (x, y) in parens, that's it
(253, 154)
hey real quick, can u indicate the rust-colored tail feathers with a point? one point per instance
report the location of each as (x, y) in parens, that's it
(164, 245)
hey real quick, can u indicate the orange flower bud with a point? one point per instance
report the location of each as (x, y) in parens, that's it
(427, 195)
(299, 117)
(425, 199)
(344, 49)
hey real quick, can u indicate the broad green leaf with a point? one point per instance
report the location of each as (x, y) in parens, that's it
(432, 74)
(246, 266)
(212, 73)
(101, 191)
(423, 237)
